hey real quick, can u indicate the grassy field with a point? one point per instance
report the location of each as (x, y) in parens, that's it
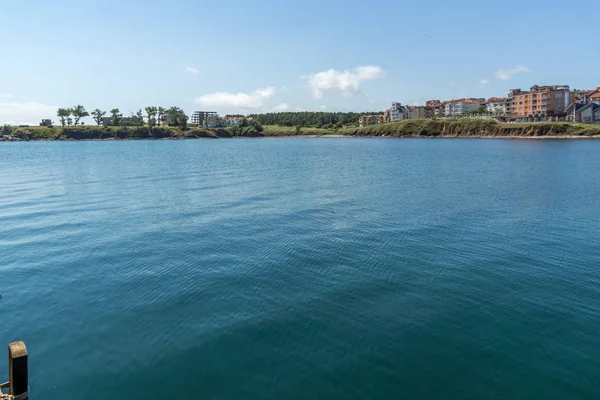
(274, 130)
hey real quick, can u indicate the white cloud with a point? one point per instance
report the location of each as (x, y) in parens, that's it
(284, 89)
(346, 82)
(484, 82)
(192, 70)
(282, 107)
(506, 74)
(371, 101)
(27, 113)
(237, 100)
(323, 107)
(266, 93)
(299, 109)
(6, 95)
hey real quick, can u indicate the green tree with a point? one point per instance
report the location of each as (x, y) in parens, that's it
(5, 130)
(176, 117)
(63, 114)
(137, 119)
(162, 113)
(256, 125)
(98, 114)
(115, 115)
(151, 116)
(183, 120)
(298, 130)
(79, 112)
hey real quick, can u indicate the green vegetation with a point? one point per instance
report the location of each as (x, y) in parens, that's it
(176, 117)
(151, 113)
(98, 115)
(247, 128)
(79, 112)
(5, 130)
(273, 131)
(63, 114)
(327, 120)
(473, 127)
(115, 115)
(411, 128)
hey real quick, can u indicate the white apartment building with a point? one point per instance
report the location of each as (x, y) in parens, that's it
(496, 105)
(455, 108)
(398, 112)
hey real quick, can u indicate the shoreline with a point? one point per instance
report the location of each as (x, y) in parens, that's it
(408, 129)
(337, 136)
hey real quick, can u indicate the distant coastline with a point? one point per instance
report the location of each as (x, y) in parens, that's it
(426, 128)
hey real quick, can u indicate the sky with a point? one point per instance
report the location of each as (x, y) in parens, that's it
(252, 56)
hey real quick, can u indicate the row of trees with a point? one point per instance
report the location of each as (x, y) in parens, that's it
(71, 116)
(173, 116)
(317, 119)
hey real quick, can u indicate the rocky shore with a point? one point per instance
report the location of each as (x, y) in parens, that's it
(477, 128)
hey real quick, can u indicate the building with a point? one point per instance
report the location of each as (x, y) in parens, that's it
(231, 120)
(366, 120)
(437, 108)
(587, 113)
(420, 112)
(496, 105)
(46, 122)
(459, 107)
(541, 103)
(585, 96)
(398, 112)
(207, 119)
(387, 116)
(595, 96)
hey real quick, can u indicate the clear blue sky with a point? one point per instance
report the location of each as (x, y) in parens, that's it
(262, 55)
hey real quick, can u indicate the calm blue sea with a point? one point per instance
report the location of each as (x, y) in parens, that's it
(303, 268)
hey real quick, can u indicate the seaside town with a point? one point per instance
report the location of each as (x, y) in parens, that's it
(556, 103)
(539, 104)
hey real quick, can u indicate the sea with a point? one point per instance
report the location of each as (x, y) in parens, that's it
(295, 268)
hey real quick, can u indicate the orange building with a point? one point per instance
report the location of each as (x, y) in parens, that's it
(540, 103)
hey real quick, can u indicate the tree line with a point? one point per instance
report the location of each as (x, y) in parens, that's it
(316, 119)
(173, 116)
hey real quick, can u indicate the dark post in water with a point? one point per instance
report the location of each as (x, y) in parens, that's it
(17, 371)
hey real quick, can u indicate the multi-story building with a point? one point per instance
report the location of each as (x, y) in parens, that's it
(398, 112)
(420, 112)
(46, 122)
(207, 119)
(496, 105)
(540, 103)
(436, 107)
(458, 107)
(366, 120)
(387, 116)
